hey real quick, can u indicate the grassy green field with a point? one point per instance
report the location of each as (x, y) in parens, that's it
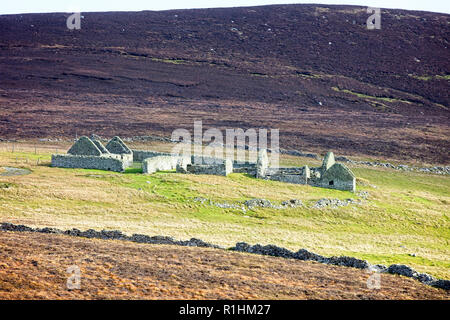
(406, 213)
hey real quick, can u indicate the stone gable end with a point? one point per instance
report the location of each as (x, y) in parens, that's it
(84, 147)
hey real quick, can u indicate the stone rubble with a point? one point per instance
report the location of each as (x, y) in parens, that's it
(303, 254)
(253, 204)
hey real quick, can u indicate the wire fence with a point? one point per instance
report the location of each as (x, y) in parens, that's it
(30, 154)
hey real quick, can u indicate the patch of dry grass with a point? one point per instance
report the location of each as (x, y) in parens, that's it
(34, 266)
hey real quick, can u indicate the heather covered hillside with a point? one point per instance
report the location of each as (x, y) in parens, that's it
(313, 71)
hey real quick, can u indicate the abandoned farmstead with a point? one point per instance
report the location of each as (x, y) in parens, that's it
(89, 153)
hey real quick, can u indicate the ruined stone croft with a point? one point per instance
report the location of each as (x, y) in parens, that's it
(89, 153)
(330, 175)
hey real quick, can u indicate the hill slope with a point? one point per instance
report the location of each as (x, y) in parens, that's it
(315, 72)
(396, 217)
(33, 266)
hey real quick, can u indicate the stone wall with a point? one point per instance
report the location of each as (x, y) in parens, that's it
(337, 184)
(98, 144)
(127, 159)
(109, 163)
(141, 155)
(245, 167)
(222, 169)
(202, 160)
(330, 175)
(160, 163)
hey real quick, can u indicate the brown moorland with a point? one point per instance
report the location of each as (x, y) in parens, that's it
(313, 71)
(34, 266)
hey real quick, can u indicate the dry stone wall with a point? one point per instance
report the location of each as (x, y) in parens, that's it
(338, 177)
(117, 146)
(262, 164)
(245, 167)
(160, 163)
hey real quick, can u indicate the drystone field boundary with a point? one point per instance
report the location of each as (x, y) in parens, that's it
(268, 250)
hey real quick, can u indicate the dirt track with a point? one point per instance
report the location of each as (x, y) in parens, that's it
(33, 266)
